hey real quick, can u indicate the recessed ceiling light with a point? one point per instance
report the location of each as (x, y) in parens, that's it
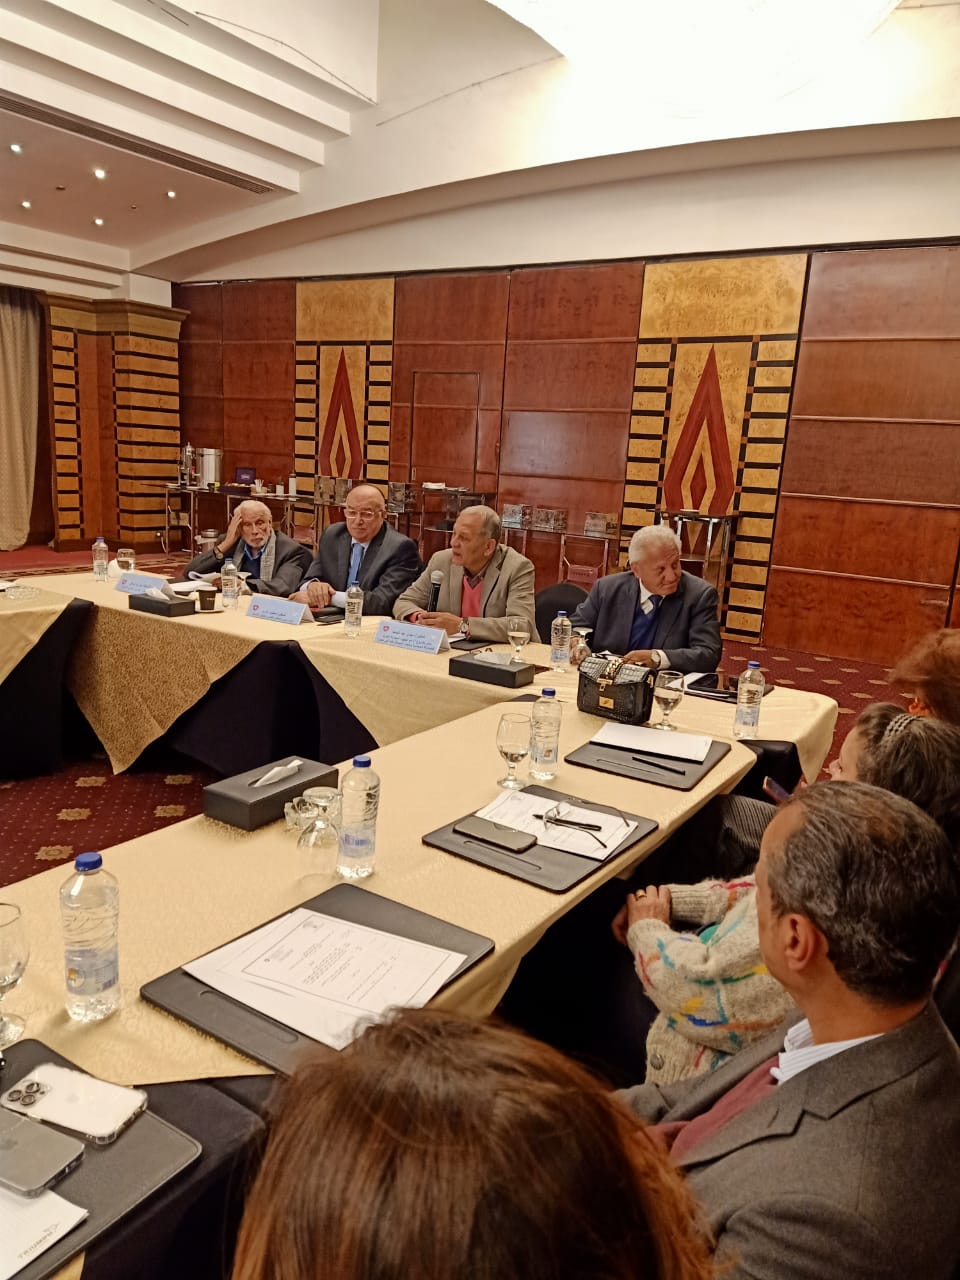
(100, 173)
(98, 222)
(134, 206)
(16, 148)
(59, 188)
(171, 195)
(24, 204)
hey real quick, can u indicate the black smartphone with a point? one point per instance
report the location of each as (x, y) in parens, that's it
(774, 790)
(494, 833)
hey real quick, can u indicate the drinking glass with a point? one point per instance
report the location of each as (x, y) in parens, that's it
(319, 842)
(513, 743)
(579, 649)
(126, 559)
(14, 953)
(518, 631)
(243, 575)
(667, 692)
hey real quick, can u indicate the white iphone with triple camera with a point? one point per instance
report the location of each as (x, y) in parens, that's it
(96, 1109)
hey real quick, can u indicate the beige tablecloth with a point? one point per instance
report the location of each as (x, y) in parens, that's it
(195, 885)
(23, 622)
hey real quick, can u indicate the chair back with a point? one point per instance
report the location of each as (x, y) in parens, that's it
(549, 601)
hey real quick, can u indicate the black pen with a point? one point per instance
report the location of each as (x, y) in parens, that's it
(655, 764)
(569, 822)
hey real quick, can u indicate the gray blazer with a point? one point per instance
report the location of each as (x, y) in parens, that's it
(507, 592)
(390, 563)
(291, 560)
(687, 631)
(848, 1170)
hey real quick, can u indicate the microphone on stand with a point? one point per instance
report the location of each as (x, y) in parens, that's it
(436, 582)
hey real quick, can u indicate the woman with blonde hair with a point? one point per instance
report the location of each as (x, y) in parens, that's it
(931, 670)
(438, 1148)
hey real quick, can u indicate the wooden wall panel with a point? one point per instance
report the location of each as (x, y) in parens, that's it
(714, 371)
(880, 617)
(452, 308)
(569, 375)
(259, 311)
(899, 461)
(894, 293)
(909, 378)
(867, 538)
(871, 480)
(576, 302)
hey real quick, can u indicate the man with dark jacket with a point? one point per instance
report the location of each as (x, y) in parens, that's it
(274, 561)
(364, 550)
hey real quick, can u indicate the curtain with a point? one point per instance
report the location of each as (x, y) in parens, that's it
(19, 388)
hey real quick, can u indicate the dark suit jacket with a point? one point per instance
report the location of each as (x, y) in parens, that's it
(848, 1170)
(507, 592)
(390, 563)
(687, 631)
(291, 560)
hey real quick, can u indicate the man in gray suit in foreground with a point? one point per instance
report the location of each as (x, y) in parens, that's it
(654, 614)
(832, 1151)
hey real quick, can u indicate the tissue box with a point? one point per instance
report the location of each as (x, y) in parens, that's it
(163, 608)
(235, 802)
(470, 667)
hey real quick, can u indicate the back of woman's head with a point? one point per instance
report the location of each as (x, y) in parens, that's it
(931, 671)
(439, 1148)
(914, 757)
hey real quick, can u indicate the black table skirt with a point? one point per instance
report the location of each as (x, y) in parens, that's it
(35, 703)
(272, 704)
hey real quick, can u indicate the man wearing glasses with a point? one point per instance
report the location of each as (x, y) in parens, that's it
(364, 550)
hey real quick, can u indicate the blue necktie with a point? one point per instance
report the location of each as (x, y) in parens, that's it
(645, 625)
(356, 555)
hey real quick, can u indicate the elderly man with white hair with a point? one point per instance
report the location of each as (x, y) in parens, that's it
(654, 614)
(275, 562)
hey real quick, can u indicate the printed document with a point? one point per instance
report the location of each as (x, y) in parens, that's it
(325, 977)
(564, 826)
(29, 1225)
(654, 742)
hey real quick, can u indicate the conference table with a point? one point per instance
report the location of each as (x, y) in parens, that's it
(234, 691)
(195, 885)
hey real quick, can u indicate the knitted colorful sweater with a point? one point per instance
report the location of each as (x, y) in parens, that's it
(712, 989)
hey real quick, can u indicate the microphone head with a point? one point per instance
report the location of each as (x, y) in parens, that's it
(436, 577)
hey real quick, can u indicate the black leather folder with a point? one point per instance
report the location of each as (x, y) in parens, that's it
(551, 869)
(662, 771)
(270, 1042)
(111, 1180)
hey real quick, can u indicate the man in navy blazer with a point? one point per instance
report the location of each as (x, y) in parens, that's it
(364, 550)
(829, 1149)
(654, 614)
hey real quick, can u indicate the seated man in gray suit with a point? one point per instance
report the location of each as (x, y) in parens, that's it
(364, 550)
(829, 1149)
(274, 561)
(654, 614)
(483, 582)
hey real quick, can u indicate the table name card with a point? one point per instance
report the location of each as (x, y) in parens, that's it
(137, 584)
(407, 635)
(276, 609)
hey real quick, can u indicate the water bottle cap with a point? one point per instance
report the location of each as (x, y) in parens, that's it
(561, 613)
(548, 693)
(88, 862)
(361, 762)
(754, 664)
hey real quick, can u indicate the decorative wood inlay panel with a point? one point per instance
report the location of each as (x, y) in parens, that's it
(714, 370)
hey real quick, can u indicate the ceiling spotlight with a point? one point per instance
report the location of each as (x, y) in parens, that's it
(171, 195)
(59, 188)
(16, 148)
(24, 204)
(100, 173)
(134, 206)
(98, 222)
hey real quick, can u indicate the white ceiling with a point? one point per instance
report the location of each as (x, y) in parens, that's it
(284, 121)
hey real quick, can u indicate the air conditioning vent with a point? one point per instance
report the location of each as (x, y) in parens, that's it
(60, 120)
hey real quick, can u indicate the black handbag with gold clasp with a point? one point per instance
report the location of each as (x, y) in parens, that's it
(614, 689)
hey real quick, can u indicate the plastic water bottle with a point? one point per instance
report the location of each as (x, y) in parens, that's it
(354, 611)
(90, 912)
(358, 822)
(545, 736)
(230, 584)
(561, 630)
(749, 696)
(101, 556)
